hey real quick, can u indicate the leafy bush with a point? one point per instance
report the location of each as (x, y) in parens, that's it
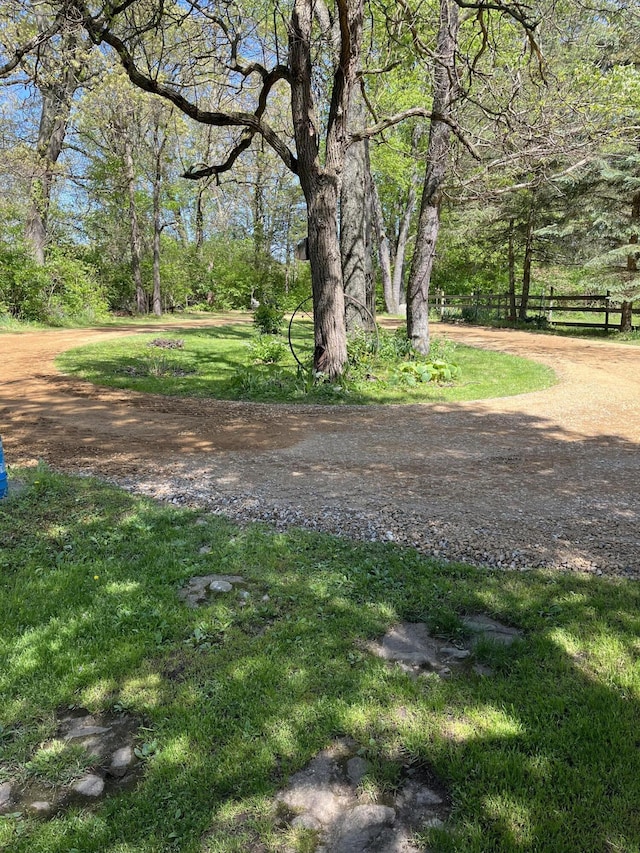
(268, 318)
(410, 373)
(267, 349)
(64, 290)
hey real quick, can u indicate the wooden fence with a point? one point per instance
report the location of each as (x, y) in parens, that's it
(602, 312)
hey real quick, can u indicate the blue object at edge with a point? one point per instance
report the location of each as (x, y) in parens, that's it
(4, 483)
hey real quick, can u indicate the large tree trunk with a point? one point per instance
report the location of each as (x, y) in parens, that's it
(320, 184)
(330, 354)
(135, 237)
(354, 215)
(444, 91)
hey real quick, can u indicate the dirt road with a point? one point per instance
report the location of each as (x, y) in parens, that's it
(548, 478)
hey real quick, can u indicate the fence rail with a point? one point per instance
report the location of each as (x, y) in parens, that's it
(548, 309)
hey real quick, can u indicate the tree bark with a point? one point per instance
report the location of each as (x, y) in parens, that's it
(320, 184)
(370, 281)
(626, 314)
(403, 242)
(199, 219)
(513, 316)
(353, 223)
(444, 92)
(157, 222)
(526, 265)
(135, 237)
(330, 354)
(384, 252)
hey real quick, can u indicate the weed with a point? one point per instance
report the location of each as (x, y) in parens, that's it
(267, 349)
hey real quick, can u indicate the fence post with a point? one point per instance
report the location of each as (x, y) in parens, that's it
(606, 312)
(550, 309)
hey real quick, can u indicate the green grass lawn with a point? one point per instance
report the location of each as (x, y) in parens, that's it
(543, 755)
(219, 362)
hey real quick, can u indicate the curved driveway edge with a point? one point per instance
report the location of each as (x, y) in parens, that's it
(542, 479)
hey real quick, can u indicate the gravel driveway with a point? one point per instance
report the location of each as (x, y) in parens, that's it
(543, 479)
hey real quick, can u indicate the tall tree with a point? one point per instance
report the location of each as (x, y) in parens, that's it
(355, 224)
(59, 66)
(445, 91)
(320, 81)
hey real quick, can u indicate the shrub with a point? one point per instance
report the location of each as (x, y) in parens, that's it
(63, 290)
(267, 349)
(268, 318)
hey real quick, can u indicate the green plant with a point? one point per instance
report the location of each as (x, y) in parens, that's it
(538, 321)
(361, 346)
(268, 318)
(413, 372)
(267, 349)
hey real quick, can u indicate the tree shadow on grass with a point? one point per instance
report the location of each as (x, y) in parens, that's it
(543, 755)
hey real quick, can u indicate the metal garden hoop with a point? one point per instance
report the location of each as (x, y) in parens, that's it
(302, 311)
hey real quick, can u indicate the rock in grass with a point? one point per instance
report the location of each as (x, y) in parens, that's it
(90, 785)
(41, 807)
(5, 796)
(121, 761)
(361, 827)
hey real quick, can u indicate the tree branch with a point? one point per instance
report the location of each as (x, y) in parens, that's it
(251, 121)
(416, 112)
(20, 52)
(198, 171)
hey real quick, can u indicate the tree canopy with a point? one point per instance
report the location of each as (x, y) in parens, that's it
(154, 143)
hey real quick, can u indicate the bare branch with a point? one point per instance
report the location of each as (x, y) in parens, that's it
(416, 112)
(196, 172)
(251, 121)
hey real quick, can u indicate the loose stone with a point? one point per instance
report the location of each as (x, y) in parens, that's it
(89, 786)
(40, 807)
(121, 761)
(5, 795)
(86, 731)
(306, 821)
(220, 586)
(357, 768)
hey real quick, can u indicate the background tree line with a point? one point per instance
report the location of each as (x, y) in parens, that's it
(165, 156)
